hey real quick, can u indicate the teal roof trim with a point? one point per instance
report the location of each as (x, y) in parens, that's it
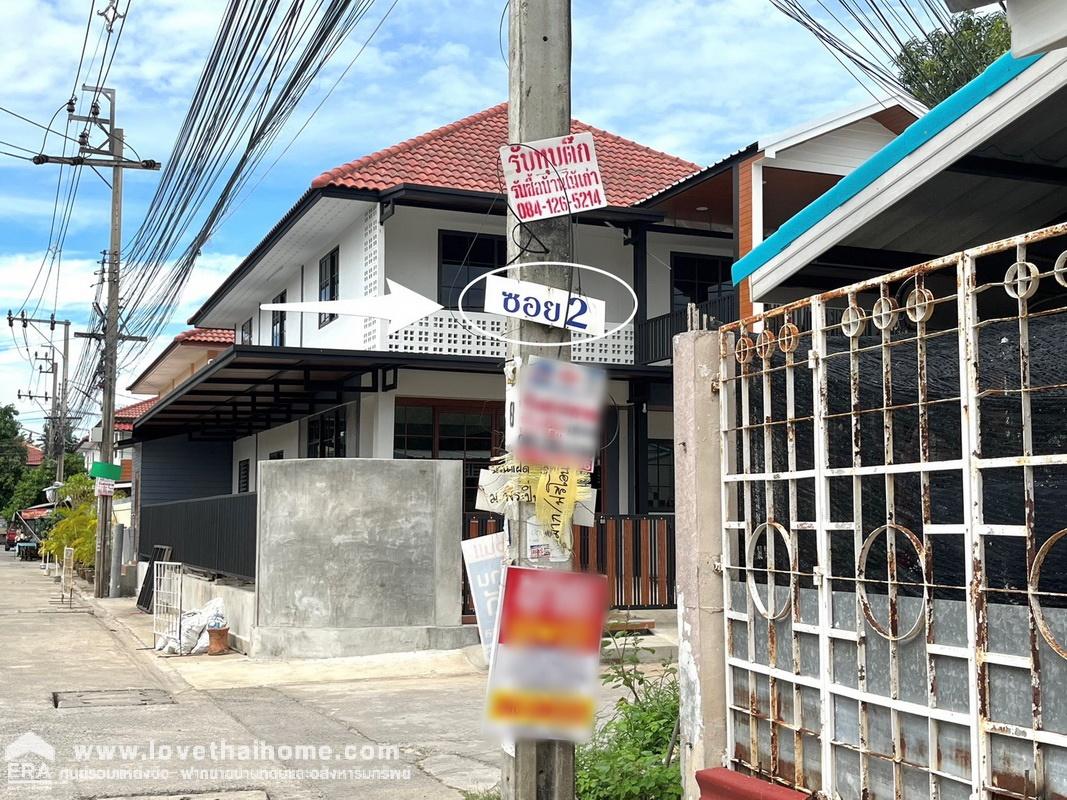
(936, 120)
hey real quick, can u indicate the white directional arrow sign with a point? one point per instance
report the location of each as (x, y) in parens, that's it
(401, 306)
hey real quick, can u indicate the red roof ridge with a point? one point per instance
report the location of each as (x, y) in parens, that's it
(408, 144)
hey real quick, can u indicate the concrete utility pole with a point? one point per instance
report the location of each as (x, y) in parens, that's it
(539, 107)
(60, 396)
(114, 158)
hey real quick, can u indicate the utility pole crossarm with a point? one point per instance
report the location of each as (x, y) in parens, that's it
(77, 161)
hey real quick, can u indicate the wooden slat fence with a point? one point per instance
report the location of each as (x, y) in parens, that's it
(635, 552)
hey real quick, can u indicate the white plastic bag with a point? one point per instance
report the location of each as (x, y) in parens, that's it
(194, 636)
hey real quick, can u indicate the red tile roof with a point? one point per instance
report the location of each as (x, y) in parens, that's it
(124, 417)
(205, 336)
(465, 155)
(34, 455)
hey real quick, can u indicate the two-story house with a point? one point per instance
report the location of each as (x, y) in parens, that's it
(428, 213)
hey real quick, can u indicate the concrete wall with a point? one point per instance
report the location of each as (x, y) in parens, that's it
(358, 556)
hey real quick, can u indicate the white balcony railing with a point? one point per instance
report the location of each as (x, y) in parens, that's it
(445, 333)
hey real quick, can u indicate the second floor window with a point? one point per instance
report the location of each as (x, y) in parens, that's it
(698, 278)
(243, 471)
(328, 283)
(246, 332)
(462, 257)
(277, 323)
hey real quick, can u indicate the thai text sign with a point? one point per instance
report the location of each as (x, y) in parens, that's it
(552, 177)
(104, 487)
(557, 408)
(535, 302)
(544, 676)
(484, 556)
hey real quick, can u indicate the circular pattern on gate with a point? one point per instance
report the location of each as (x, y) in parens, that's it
(853, 321)
(884, 314)
(765, 344)
(1060, 270)
(789, 337)
(862, 580)
(1033, 593)
(744, 349)
(1021, 280)
(768, 609)
(920, 304)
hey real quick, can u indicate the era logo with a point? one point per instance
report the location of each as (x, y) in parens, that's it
(28, 760)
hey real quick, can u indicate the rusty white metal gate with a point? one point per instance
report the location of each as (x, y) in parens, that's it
(894, 499)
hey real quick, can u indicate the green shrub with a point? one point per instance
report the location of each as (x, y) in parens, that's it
(625, 759)
(74, 527)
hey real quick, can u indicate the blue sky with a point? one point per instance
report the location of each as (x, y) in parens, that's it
(697, 78)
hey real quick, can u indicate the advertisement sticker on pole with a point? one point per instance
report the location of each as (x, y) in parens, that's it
(552, 177)
(544, 675)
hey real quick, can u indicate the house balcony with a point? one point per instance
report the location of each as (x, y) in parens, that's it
(654, 336)
(445, 333)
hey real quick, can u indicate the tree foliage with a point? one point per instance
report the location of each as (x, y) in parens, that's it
(29, 491)
(74, 525)
(12, 454)
(935, 66)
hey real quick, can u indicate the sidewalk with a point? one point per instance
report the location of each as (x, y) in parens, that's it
(426, 706)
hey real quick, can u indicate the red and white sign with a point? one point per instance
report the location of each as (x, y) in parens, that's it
(552, 177)
(545, 671)
(105, 487)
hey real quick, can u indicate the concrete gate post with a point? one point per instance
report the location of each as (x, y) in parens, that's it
(698, 543)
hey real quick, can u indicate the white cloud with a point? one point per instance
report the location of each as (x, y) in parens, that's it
(697, 78)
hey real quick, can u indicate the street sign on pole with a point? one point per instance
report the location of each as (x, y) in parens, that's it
(534, 302)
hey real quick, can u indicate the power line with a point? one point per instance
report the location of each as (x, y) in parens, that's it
(260, 67)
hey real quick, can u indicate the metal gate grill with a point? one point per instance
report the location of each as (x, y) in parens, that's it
(894, 496)
(167, 601)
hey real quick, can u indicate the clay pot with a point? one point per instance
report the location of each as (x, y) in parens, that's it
(218, 641)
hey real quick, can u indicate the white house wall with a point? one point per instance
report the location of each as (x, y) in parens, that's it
(660, 246)
(836, 152)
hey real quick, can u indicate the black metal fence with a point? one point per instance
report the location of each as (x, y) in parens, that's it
(652, 338)
(215, 534)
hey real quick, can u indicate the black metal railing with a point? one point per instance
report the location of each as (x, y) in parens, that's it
(215, 534)
(652, 338)
(635, 552)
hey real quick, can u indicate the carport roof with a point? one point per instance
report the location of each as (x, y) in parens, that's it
(250, 388)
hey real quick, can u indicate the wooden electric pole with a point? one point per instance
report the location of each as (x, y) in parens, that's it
(539, 107)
